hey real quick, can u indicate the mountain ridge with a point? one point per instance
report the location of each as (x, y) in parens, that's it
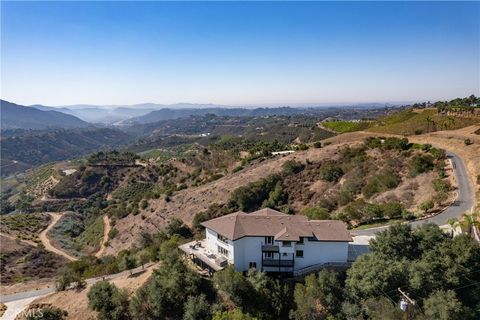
(15, 116)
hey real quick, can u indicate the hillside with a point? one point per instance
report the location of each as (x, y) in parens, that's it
(14, 116)
(308, 188)
(24, 149)
(416, 119)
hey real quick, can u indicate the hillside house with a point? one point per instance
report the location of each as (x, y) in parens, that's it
(270, 241)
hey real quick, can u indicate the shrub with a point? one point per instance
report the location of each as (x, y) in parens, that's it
(331, 172)
(380, 183)
(468, 142)
(317, 144)
(292, 167)
(144, 204)
(301, 147)
(250, 197)
(316, 213)
(49, 313)
(420, 164)
(425, 206)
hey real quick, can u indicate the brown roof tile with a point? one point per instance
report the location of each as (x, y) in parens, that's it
(269, 222)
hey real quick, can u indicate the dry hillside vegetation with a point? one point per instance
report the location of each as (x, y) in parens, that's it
(21, 262)
(455, 141)
(24, 226)
(76, 302)
(342, 181)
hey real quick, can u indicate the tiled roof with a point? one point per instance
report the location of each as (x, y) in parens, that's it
(283, 227)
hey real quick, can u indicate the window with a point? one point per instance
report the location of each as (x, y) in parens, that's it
(287, 243)
(301, 241)
(268, 240)
(252, 265)
(268, 254)
(222, 238)
(299, 254)
(222, 250)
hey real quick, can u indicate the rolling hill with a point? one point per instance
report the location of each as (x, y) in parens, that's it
(14, 116)
(26, 149)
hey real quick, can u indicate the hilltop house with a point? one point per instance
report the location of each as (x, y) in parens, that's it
(270, 241)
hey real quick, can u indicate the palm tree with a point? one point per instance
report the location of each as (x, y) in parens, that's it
(453, 224)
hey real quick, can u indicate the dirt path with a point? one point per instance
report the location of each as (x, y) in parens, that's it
(46, 241)
(28, 242)
(106, 231)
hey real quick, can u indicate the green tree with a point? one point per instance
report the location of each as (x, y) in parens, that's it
(443, 305)
(128, 262)
(197, 308)
(382, 308)
(164, 295)
(331, 172)
(234, 284)
(235, 314)
(396, 242)
(110, 302)
(319, 298)
(316, 213)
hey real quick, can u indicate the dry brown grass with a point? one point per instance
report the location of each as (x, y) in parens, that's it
(76, 303)
(186, 203)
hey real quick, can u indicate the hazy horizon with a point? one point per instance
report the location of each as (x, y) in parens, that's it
(238, 54)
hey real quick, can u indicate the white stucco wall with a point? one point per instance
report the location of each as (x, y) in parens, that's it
(315, 252)
(212, 243)
(249, 249)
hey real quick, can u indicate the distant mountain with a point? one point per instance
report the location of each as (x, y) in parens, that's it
(168, 113)
(100, 114)
(22, 149)
(152, 112)
(14, 116)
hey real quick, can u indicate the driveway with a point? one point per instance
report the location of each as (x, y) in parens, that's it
(464, 202)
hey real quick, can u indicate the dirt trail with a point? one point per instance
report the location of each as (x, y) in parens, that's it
(28, 242)
(46, 241)
(106, 231)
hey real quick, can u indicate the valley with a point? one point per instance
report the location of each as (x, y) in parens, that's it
(87, 216)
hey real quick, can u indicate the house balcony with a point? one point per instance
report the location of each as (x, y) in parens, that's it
(270, 248)
(198, 252)
(278, 263)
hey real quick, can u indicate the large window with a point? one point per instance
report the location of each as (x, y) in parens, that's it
(222, 250)
(222, 238)
(268, 240)
(268, 254)
(299, 254)
(287, 243)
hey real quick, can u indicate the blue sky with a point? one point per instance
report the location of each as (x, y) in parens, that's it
(236, 53)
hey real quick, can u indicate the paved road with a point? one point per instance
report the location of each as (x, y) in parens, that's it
(45, 291)
(463, 203)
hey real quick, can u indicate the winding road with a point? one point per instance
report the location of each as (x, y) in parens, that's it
(106, 231)
(464, 202)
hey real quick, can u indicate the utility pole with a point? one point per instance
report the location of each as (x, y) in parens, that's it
(407, 305)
